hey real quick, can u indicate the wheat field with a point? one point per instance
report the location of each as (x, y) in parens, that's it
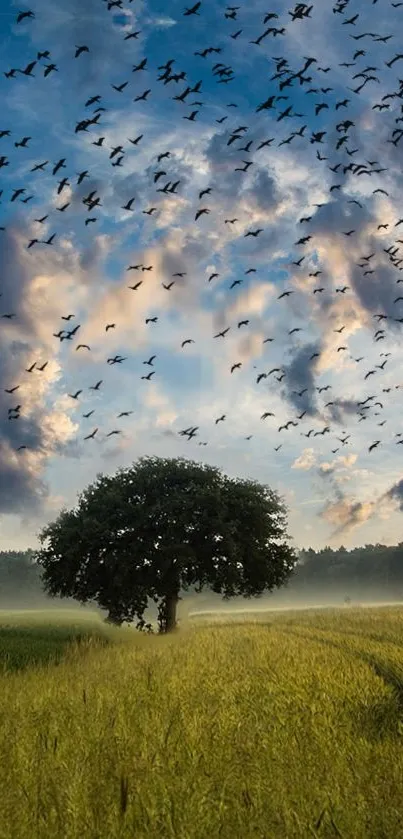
(285, 727)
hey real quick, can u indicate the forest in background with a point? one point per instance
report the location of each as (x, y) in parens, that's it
(371, 572)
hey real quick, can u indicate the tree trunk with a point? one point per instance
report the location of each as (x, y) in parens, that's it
(113, 618)
(171, 606)
(167, 612)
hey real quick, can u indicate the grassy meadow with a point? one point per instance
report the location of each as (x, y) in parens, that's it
(284, 727)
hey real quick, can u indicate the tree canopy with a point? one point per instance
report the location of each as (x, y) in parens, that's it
(160, 526)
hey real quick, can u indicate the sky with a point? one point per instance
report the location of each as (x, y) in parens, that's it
(323, 89)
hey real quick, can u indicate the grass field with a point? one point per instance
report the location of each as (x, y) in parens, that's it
(285, 728)
(30, 638)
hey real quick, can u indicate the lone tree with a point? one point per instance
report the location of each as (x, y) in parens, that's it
(157, 528)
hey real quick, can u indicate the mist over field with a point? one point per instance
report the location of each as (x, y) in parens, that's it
(370, 576)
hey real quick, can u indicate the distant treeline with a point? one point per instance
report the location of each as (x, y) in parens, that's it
(20, 581)
(360, 572)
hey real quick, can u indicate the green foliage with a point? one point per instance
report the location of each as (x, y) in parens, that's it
(287, 729)
(161, 526)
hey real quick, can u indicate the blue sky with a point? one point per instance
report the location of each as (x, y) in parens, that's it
(336, 492)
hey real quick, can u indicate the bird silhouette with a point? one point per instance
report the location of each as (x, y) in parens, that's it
(61, 164)
(203, 211)
(28, 69)
(129, 204)
(80, 50)
(192, 116)
(24, 16)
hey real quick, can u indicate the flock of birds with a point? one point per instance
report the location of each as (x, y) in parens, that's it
(283, 81)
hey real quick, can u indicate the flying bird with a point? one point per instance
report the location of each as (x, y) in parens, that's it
(24, 16)
(193, 10)
(203, 211)
(80, 50)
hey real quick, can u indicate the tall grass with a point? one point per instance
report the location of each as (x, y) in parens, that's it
(286, 729)
(30, 638)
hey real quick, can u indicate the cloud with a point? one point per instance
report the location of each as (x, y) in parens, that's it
(300, 376)
(161, 22)
(347, 460)
(395, 494)
(305, 461)
(162, 410)
(326, 468)
(43, 427)
(348, 514)
(342, 511)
